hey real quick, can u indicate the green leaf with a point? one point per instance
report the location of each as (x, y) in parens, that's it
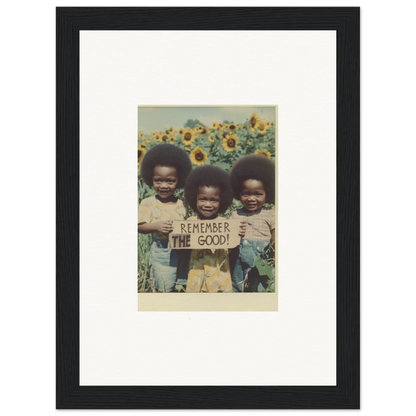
(263, 267)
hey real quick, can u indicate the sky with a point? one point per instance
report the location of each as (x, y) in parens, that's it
(161, 118)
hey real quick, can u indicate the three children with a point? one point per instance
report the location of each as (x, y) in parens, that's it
(209, 191)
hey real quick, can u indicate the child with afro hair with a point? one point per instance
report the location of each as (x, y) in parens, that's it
(165, 167)
(253, 183)
(208, 192)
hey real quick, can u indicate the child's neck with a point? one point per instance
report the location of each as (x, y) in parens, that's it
(204, 218)
(171, 200)
(252, 212)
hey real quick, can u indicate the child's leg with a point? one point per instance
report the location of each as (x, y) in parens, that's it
(251, 250)
(237, 276)
(183, 267)
(164, 263)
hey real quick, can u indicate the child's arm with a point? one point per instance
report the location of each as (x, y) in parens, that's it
(164, 227)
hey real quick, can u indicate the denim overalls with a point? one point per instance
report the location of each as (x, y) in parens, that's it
(167, 266)
(248, 250)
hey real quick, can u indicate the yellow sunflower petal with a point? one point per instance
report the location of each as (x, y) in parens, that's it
(262, 152)
(261, 127)
(140, 155)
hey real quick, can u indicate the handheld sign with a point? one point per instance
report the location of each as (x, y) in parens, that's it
(213, 234)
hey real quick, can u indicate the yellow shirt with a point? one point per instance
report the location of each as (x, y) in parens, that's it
(209, 271)
(152, 210)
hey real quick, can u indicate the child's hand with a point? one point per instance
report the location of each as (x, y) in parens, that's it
(165, 227)
(243, 227)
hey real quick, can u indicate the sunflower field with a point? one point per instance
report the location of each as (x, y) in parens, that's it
(220, 144)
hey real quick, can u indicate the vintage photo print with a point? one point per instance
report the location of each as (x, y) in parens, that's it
(207, 200)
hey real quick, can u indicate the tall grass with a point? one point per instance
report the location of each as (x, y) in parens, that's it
(144, 283)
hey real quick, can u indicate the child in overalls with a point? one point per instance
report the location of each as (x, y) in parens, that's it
(165, 167)
(253, 183)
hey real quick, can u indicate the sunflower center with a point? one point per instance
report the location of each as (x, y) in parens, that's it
(199, 156)
(253, 121)
(232, 127)
(231, 143)
(187, 136)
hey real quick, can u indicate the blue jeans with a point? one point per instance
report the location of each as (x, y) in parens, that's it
(248, 250)
(166, 267)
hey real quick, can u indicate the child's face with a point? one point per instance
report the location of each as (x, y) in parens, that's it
(208, 201)
(164, 181)
(252, 195)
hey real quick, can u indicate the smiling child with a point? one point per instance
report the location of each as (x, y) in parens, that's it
(208, 193)
(253, 183)
(165, 167)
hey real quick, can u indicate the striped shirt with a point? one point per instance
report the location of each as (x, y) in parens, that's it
(259, 223)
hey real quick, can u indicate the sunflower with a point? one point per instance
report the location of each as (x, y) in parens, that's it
(154, 133)
(253, 120)
(268, 124)
(157, 137)
(171, 130)
(164, 137)
(262, 152)
(180, 131)
(224, 134)
(188, 137)
(261, 127)
(187, 148)
(198, 156)
(203, 131)
(230, 143)
(148, 139)
(141, 134)
(232, 127)
(211, 138)
(142, 146)
(214, 126)
(140, 155)
(172, 139)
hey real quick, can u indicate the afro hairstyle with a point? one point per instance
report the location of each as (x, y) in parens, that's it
(166, 155)
(256, 167)
(211, 176)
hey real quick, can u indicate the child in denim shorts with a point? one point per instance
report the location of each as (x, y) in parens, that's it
(253, 183)
(165, 167)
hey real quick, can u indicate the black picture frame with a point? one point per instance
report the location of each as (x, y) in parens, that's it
(346, 394)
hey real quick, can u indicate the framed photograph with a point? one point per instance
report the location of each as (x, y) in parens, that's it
(232, 251)
(220, 270)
